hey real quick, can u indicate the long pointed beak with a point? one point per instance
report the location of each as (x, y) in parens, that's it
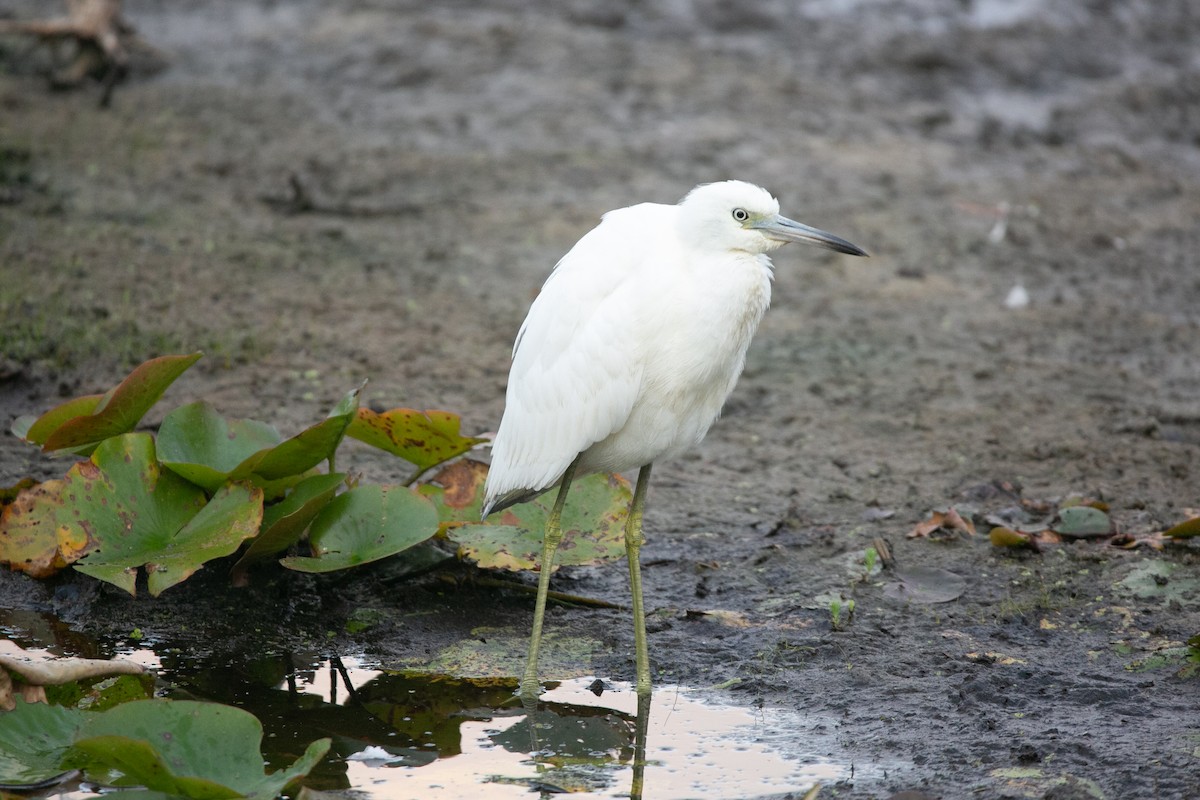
(782, 229)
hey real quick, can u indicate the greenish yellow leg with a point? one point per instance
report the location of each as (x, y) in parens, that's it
(530, 688)
(633, 549)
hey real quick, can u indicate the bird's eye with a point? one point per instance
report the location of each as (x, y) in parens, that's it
(740, 214)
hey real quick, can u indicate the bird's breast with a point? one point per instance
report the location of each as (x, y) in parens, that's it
(697, 332)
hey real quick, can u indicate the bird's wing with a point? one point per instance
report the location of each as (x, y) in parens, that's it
(576, 370)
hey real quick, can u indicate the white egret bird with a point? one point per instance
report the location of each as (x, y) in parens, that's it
(628, 353)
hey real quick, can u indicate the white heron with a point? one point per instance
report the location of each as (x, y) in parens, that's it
(628, 353)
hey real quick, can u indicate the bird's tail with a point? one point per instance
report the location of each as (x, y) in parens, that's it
(510, 499)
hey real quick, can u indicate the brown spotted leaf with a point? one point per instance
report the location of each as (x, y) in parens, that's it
(593, 521)
(423, 438)
(35, 535)
(10, 493)
(120, 510)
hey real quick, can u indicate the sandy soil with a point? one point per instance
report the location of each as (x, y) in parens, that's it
(449, 154)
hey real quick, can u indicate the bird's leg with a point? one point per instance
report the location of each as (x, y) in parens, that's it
(633, 549)
(530, 688)
(640, 733)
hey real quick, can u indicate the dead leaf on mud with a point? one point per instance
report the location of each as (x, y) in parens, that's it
(1184, 530)
(1001, 536)
(925, 585)
(945, 524)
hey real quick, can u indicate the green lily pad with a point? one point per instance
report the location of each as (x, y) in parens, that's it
(289, 460)
(126, 512)
(33, 739)
(423, 438)
(1082, 522)
(366, 524)
(285, 522)
(113, 413)
(593, 520)
(197, 443)
(190, 749)
(233, 515)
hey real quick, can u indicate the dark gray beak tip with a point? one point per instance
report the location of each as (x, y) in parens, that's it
(851, 249)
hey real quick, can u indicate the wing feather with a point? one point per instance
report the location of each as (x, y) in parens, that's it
(577, 366)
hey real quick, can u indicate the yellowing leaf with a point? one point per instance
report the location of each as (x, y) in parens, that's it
(593, 521)
(1185, 529)
(423, 438)
(34, 536)
(1007, 537)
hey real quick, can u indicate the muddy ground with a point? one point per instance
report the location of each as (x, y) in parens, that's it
(315, 194)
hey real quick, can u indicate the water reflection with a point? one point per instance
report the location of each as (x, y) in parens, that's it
(463, 737)
(401, 734)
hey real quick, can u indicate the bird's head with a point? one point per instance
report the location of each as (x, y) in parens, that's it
(735, 215)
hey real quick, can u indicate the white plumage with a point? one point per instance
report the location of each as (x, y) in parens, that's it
(637, 338)
(628, 354)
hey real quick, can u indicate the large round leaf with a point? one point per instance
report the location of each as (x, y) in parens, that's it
(366, 524)
(185, 748)
(33, 739)
(132, 513)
